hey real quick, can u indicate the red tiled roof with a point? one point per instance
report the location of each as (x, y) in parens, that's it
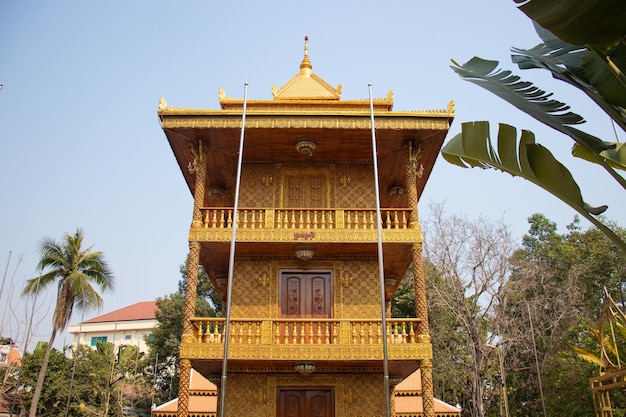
(140, 311)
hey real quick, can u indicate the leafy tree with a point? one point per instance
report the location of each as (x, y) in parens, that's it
(76, 271)
(165, 341)
(403, 300)
(557, 280)
(584, 45)
(53, 395)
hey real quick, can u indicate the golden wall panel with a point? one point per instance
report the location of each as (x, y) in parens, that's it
(247, 395)
(355, 187)
(251, 296)
(361, 298)
(257, 185)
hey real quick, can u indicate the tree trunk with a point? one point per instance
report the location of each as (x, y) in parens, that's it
(42, 374)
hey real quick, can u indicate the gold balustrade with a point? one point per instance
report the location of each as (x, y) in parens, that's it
(305, 331)
(313, 219)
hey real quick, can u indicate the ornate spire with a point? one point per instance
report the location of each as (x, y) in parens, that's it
(305, 65)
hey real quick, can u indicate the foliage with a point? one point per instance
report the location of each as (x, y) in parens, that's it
(589, 53)
(77, 272)
(403, 300)
(79, 385)
(547, 294)
(165, 341)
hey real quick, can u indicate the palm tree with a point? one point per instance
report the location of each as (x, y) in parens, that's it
(75, 271)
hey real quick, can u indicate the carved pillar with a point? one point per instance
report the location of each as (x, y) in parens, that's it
(410, 164)
(183, 388)
(199, 168)
(419, 280)
(426, 368)
(191, 288)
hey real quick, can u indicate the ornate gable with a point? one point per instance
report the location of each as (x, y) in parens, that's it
(306, 85)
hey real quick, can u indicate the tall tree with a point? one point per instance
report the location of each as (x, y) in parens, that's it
(77, 273)
(552, 297)
(468, 269)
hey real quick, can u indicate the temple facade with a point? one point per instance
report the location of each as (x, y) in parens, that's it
(289, 233)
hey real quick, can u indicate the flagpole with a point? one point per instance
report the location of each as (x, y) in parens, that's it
(381, 270)
(231, 261)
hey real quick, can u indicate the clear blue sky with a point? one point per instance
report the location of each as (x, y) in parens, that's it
(81, 144)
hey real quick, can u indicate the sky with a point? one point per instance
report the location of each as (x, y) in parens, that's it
(81, 145)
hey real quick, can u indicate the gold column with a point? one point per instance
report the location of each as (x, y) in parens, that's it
(426, 368)
(199, 168)
(183, 388)
(191, 289)
(416, 250)
(419, 280)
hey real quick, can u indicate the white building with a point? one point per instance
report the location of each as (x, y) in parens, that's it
(124, 327)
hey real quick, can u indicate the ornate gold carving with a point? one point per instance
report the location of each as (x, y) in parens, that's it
(347, 279)
(190, 290)
(183, 389)
(247, 300)
(251, 195)
(383, 122)
(451, 107)
(162, 103)
(426, 367)
(264, 280)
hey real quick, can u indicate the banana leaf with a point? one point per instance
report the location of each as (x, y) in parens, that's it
(580, 67)
(579, 21)
(524, 158)
(538, 104)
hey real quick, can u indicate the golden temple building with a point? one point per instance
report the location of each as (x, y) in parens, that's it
(287, 231)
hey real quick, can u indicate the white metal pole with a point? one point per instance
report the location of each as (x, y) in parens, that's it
(381, 270)
(231, 261)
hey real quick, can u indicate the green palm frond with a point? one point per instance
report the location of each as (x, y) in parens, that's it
(529, 160)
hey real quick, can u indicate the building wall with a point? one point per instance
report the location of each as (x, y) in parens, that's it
(356, 288)
(255, 395)
(349, 185)
(129, 333)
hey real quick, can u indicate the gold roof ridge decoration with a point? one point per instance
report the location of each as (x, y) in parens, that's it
(306, 91)
(306, 84)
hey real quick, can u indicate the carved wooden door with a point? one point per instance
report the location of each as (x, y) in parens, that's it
(305, 403)
(306, 296)
(305, 189)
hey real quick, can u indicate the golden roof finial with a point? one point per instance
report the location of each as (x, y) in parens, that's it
(305, 66)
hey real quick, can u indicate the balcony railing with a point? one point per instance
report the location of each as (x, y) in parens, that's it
(314, 219)
(305, 331)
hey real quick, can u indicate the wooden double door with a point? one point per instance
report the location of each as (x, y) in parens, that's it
(305, 296)
(305, 402)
